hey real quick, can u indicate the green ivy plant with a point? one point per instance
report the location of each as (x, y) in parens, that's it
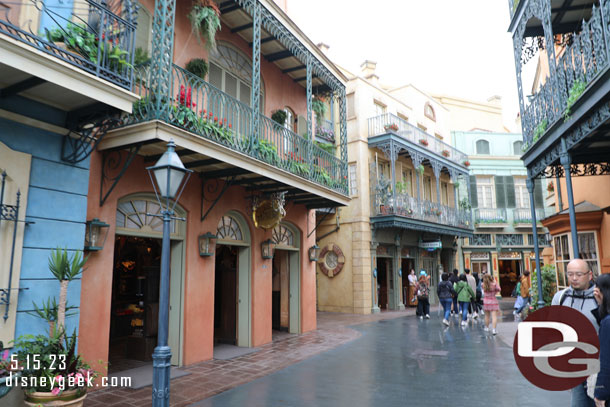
(402, 187)
(576, 90)
(540, 129)
(318, 105)
(205, 21)
(198, 67)
(464, 204)
(279, 116)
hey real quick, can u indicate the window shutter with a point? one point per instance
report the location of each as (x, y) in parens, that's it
(474, 202)
(538, 198)
(500, 193)
(510, 192)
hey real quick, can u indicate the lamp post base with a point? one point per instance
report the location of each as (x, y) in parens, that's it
(162, 356)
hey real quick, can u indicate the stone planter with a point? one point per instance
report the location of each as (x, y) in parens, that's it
(69, 398)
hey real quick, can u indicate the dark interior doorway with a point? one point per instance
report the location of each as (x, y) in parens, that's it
(225, 295)
(134, 309)
(407, 292)
(382, 282)
(510, 271)
(280, 308)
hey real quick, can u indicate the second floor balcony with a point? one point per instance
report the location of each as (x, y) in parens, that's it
(201, 109)
(490, 217)
(95, 37)
(522, 217)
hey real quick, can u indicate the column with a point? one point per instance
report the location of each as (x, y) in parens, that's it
(256, 76)
(566, 162)
(161, 60)
(374, 308)
(530, 188)
(397, 279)
(558, 192)
(309, 110)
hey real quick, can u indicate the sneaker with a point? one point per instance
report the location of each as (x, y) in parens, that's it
(445, 322)
(486, 329)
(421, 317)
(464, 323)
(494, 332)
(427, 316)
(475, 315)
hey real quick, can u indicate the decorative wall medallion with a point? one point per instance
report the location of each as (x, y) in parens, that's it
(331, 260)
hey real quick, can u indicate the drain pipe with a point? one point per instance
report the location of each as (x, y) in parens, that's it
(318, 238)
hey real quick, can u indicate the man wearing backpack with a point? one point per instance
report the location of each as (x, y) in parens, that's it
(579, 296)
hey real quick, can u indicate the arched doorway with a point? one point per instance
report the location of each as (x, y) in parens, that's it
(136, 281)
(232, 311)
(286, 298)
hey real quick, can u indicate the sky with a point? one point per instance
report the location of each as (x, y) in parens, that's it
(454, 47)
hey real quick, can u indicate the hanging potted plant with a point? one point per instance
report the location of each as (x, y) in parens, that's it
(445, 153)
(423, 142)
(466, 163)
(318, 105)
(198, 67)
(205, 21)
(279, 116)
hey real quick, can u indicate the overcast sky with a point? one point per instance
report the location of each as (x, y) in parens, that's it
(454, 47)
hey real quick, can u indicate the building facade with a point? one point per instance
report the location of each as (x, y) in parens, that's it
(255, 183)
(563, 118)
(404, 213)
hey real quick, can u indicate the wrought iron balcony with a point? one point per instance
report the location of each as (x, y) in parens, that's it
(97, 37)
(389, 123)
(490, 217)
(419, 209)
(524, 215)
(198, 107)
(584, 58)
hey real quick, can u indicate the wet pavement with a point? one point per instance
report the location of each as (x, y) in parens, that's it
(401, 362)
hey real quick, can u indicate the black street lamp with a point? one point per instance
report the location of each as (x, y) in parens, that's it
(169, 173)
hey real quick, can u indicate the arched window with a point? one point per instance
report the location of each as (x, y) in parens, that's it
(229, 229)
(231, 71)
(134, 215)
(429, 112)
(517, 146)
(283, 236)
(482, 147)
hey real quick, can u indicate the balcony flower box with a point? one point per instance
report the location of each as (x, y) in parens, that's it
(466, 163)
(445, 153)
(550, 187)
(423, 142)
(391, 127)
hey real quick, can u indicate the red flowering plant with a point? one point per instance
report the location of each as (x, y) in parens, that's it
(466, 163)
(445, 153)
(391, 127)
(423, 142)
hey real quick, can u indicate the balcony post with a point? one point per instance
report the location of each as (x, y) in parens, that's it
(530, 188)
(374, 308)
(566, 161)
(393, 157)
(436, 167)
(309, 110)
(558, 192)
(343, 129)
(398, 301)
(161, 62)
(256, 76)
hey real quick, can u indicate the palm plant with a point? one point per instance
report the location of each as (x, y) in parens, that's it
(65, 269)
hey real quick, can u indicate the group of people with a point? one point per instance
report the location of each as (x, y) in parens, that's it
(464, 294)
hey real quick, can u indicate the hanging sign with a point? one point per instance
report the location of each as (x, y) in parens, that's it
(268, 213)
(431, 245)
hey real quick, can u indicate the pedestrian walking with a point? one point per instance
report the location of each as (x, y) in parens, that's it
(579, 296)
(479, 292)
(473, 285)
(490, 303)
(524, 294)
(453, 279)
(423, 292)
(445, 293)
(465, 294)
(602, 385)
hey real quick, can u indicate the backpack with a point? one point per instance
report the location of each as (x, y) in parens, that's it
(517, 291)
(566, 294)
(423, 290)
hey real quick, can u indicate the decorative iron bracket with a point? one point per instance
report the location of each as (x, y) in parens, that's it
(211, 190)
(80, 142)
(318, 223)
(109, 163)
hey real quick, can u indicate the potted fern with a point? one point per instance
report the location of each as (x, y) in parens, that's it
(205, 21)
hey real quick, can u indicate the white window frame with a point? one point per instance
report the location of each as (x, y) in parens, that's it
(565, 262)
(522, 196)
(380, 108)
(486, 193)
(476, 147)
(353, 179)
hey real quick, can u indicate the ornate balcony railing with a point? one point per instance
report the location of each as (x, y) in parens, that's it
(524, 215)
(198, 107)
(580, 62)
(390, 123)
(97, 37)
(420, 209)
(480, 239)
(490, 216)
(542, 240)
(510, 239)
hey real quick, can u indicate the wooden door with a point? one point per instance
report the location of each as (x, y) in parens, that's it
(225, 296)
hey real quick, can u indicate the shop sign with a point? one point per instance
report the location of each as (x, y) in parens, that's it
(430, 246)
(509, 256)
(479, 256)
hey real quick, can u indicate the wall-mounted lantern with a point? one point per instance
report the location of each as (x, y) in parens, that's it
(314, 253)
(267, 249)
(96, 232)
(207, 244)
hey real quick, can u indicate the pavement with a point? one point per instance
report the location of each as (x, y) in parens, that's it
(390, 359)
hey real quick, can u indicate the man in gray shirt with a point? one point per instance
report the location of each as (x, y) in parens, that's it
(579, 296)
(473, 284)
